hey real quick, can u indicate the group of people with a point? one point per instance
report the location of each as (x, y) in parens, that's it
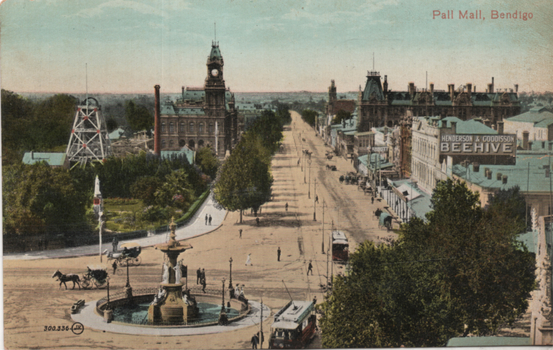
(255, 340)
(208, 219)
(200, 278)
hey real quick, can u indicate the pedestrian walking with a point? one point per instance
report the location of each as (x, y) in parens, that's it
(249, 260)
(114, 265)
(372, 200)
(202, 277)
(299, 161)
(286, 206)
(114, 244)
(257, 220)
(254, 341)
(261, 339)
(206, 218)
(316, 199)
(310, 268)
(203, 284)
(278, 254)
(198, 275)
(209, 220)
(240, 231)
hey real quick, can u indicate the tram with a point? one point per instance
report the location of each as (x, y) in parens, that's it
(294, 326)
(340, 246)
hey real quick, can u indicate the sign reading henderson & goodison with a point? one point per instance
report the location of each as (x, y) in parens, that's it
(460, 144)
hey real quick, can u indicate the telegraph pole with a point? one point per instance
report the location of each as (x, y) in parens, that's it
(323, 241)
(315, 201)
(261, 326)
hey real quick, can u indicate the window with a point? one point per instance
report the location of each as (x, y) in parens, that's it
(162, 126)
(171, 127)
(210, 128)
(191, 127)
(181, 127)
(201, 128)
(171, 143)
(163, 143)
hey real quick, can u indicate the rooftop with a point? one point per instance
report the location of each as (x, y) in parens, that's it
(52, 158)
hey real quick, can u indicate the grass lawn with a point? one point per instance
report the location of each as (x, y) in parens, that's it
(122, 204)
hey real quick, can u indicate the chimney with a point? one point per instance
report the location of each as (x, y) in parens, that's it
(411, 88)
(525, 136)
(504, 179)
(490, 88)
(183, 94)
(475, 167)
(451, 90)
(500, 127)
(516, 88)
(488, 123)
(474, 88)
(469, 88)
(493, 86)
(157, 124)
(489, 174)
(498, 176)
(432, 88)
(385, 84)
(453, 127)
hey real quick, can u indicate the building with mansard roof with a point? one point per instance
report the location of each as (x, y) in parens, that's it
(201, 116)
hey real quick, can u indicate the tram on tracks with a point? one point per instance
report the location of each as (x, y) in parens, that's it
(294, 326)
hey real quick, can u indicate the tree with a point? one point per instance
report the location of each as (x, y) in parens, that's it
(38, 199)
(341, 115)
(111, 124)
(52, 121)
(245, 180)
(460, 272)
(206, 160)
(16, 120)
(145, 188)
(309, 116)
(175, 192)
(138, 116)
(269, 128)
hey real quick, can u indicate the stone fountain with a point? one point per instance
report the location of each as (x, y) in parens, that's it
(170, 306)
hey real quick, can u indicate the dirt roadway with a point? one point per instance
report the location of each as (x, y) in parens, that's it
(32, 299)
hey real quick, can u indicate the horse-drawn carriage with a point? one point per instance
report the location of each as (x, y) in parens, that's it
(94, 277)
(129, 255)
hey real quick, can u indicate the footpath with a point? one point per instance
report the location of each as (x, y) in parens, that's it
(195, 227)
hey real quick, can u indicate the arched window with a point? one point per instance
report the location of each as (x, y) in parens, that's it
(171, 143)
(182, 143)
(201, 143)
(201, 128)
(191, 127)
(181, 127)
(191, 144)
(162, 126)
(171, 127)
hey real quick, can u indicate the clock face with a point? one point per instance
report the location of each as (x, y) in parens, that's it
(214, 72)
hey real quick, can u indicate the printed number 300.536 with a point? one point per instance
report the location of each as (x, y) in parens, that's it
(56, 328)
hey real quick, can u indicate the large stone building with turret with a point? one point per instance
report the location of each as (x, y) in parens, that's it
(201, 117)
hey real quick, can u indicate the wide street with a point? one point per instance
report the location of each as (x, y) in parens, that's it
(32, 299)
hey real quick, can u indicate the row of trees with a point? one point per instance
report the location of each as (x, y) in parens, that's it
(245, 179)
(309, 116)
(41, 126)
(38, 199)
(460, 272)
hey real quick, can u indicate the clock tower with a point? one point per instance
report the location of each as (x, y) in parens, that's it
(214, 83)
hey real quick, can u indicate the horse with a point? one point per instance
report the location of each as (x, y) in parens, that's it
(67, 278)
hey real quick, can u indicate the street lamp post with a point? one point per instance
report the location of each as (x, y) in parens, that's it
(315, 200)
(323, 241)
(309, 177)
(230, 279)
(223, 319)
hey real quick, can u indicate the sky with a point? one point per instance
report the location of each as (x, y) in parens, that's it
(124, 46)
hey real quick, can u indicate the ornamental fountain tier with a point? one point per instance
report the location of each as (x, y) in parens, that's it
(169, 306)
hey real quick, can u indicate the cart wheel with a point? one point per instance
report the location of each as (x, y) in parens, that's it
(120, 272)
(137, 261)
(86, 283)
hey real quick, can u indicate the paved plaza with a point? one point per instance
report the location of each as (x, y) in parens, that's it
(33, 300)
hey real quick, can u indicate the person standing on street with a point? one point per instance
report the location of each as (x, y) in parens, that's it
(209, 220)
(240, 231)
(254, 341)
(372, 200)
(203, 283)
(114, 266)
(249, 260)
(206, 218)
(198, 276)
(278, 254)
(310, 268)
(286, 206)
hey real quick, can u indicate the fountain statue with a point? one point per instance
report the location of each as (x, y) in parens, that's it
(169, 305)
